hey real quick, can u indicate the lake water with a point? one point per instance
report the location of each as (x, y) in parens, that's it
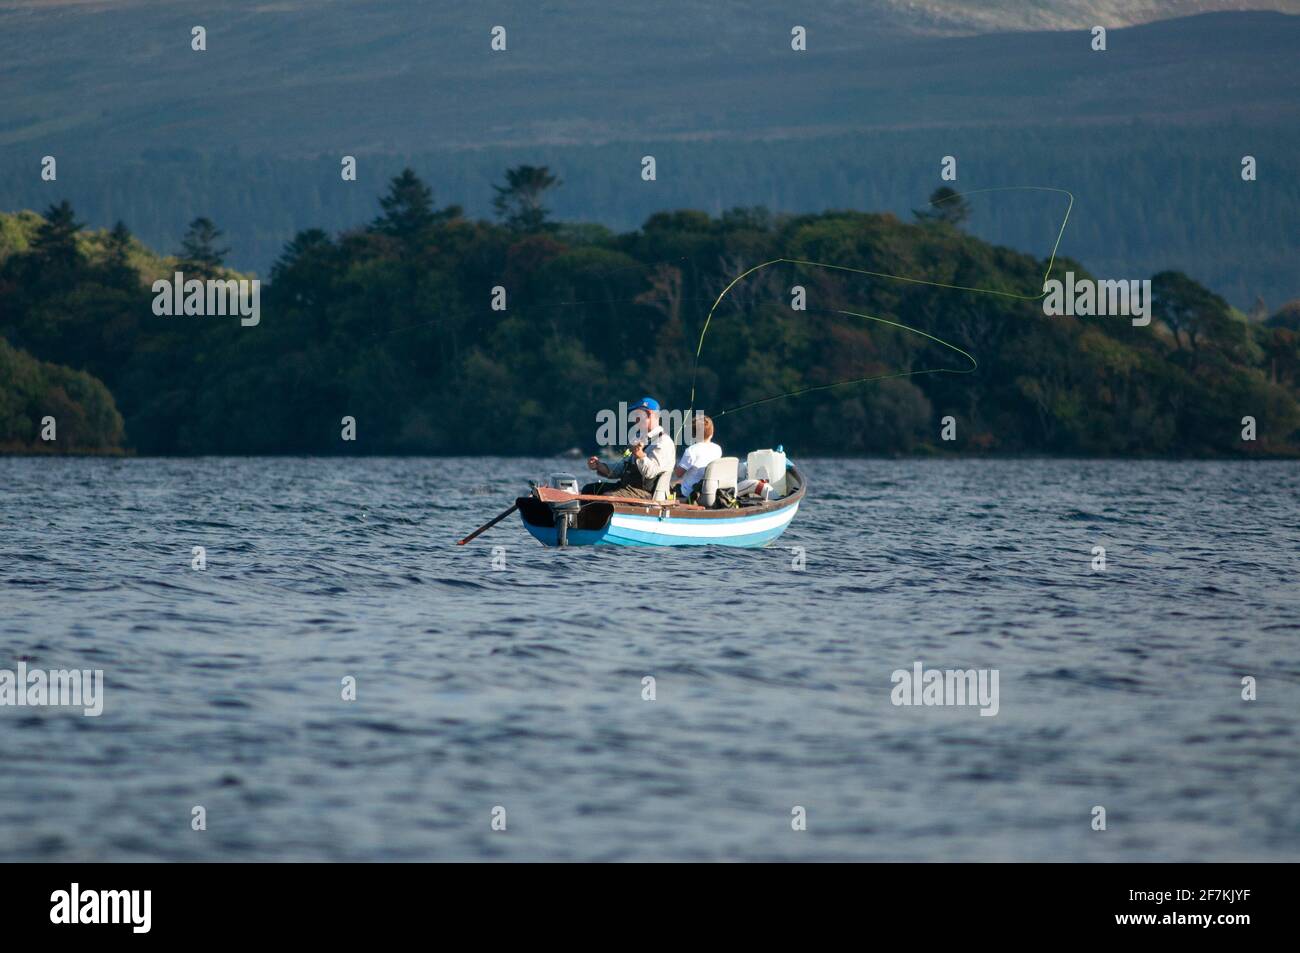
(521, 687)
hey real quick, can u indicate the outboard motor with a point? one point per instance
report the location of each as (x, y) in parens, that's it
(564, 481)
(565, 513)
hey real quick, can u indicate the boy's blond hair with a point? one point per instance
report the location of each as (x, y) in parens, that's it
(703, 427)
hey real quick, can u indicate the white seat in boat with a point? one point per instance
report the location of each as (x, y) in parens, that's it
(725, 470)
(719, 475)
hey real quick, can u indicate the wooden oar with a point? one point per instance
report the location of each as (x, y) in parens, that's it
(488, 525)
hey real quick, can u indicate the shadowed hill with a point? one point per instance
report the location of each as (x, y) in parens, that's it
(1149, 134)
(388, 77)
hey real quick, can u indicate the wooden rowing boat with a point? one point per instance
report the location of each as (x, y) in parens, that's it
(558, 518)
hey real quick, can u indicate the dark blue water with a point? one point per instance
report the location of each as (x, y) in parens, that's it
(521, 687)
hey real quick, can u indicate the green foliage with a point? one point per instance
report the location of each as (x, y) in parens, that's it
(392, 323)
(85, 417)
(16, 232)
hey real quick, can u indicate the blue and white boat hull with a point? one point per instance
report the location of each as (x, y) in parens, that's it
(555, 518)
(629, 530)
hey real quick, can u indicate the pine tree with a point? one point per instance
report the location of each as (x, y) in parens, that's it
(947, 206)
(117, 266)
(518, 203)
(408, 209)
(119, 244)
(199, 247)
(55, 242)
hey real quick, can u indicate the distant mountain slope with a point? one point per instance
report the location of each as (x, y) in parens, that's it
(340, 77)
(917, 16)
(988, 16)
(1149, 197)
(1148, 134)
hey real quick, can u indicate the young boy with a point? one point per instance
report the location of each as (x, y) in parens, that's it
(696, 457)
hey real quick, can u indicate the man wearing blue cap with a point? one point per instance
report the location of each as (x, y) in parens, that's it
(653, 454)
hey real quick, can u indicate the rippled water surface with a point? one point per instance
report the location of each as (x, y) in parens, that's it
(521, 687)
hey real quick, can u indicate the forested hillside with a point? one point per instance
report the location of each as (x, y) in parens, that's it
(1147, 198)
(392, 323)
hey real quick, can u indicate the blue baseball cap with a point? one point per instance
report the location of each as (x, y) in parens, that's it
(646, 403)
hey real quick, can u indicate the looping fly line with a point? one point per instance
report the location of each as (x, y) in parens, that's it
(871, 317)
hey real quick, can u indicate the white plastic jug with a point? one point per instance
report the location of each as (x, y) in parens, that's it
(767, 465)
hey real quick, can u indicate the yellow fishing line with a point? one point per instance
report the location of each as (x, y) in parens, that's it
(879, 274)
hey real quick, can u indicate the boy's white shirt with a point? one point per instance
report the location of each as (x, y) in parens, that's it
(695, 459)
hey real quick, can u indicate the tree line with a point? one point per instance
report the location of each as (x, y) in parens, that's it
(396, 323)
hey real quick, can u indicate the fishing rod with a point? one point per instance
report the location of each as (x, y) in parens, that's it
(974, 365)
(879, 274)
